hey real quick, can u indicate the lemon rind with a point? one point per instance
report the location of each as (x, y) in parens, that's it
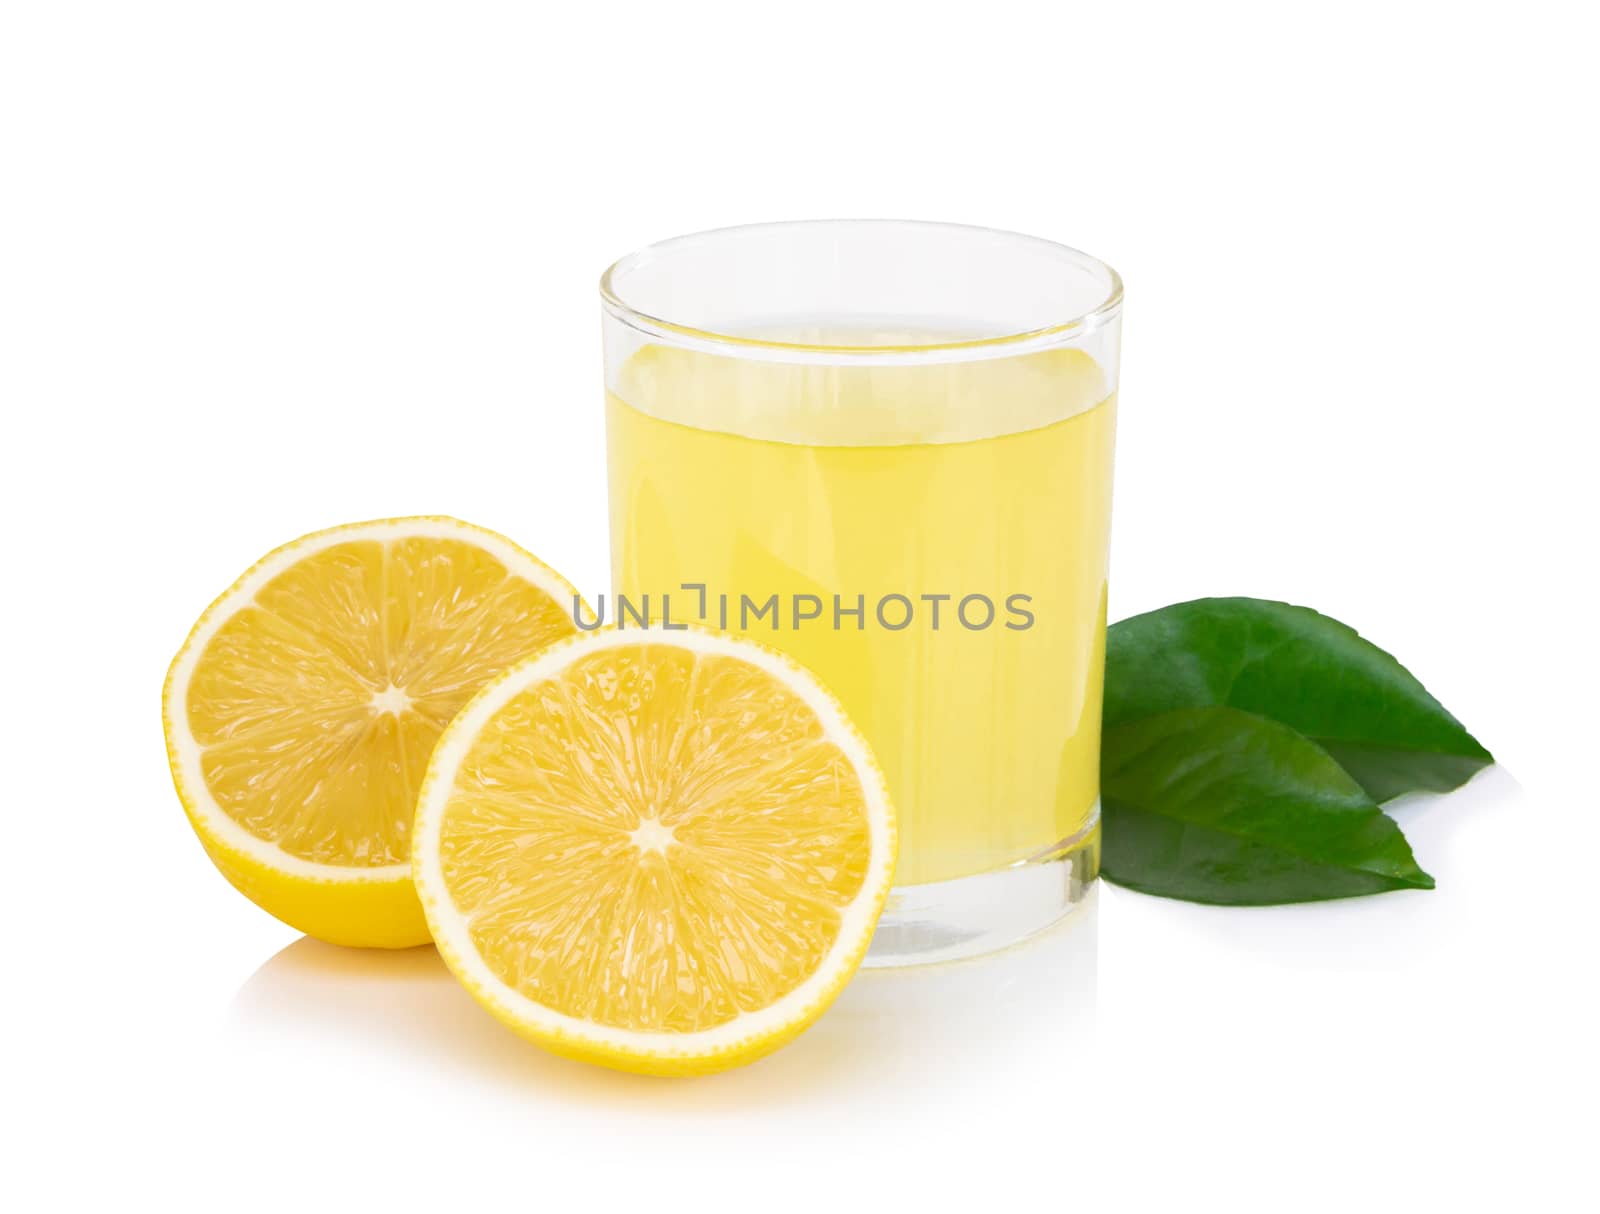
(214, 826)
(742, 1039)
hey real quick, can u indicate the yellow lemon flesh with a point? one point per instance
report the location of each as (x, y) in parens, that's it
(301, 712)
(661, 851)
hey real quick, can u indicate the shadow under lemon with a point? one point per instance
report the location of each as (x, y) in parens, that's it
(1028, 1006)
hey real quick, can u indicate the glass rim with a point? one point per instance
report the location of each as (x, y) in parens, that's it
(1001, 344)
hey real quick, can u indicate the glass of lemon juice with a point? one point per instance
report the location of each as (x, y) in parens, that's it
(885, 448)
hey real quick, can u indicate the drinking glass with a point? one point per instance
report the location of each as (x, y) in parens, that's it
(885, 448)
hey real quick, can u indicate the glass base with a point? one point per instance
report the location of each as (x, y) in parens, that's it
(949, 920)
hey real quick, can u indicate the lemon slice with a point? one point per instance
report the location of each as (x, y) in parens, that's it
(661, 851)
(302, 709)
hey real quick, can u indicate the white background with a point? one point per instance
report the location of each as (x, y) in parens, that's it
(269, 267)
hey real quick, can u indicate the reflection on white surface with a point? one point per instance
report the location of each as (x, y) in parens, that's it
(1029, 1008)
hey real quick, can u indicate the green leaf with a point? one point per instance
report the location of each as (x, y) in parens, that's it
(1292, 665)
(1222, 806)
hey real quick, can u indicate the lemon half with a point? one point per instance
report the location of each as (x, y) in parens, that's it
(301, 712)
(661, 851)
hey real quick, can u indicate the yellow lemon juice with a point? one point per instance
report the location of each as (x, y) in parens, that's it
(934, 536)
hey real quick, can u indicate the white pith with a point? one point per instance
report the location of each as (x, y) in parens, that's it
(651, 836)
(450, 927)
(187, 752)
(392, 700)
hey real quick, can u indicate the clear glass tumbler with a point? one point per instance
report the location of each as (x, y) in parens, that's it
(886, 448)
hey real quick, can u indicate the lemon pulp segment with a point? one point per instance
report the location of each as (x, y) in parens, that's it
(304, 709)
(319, 704)
(655, 840)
